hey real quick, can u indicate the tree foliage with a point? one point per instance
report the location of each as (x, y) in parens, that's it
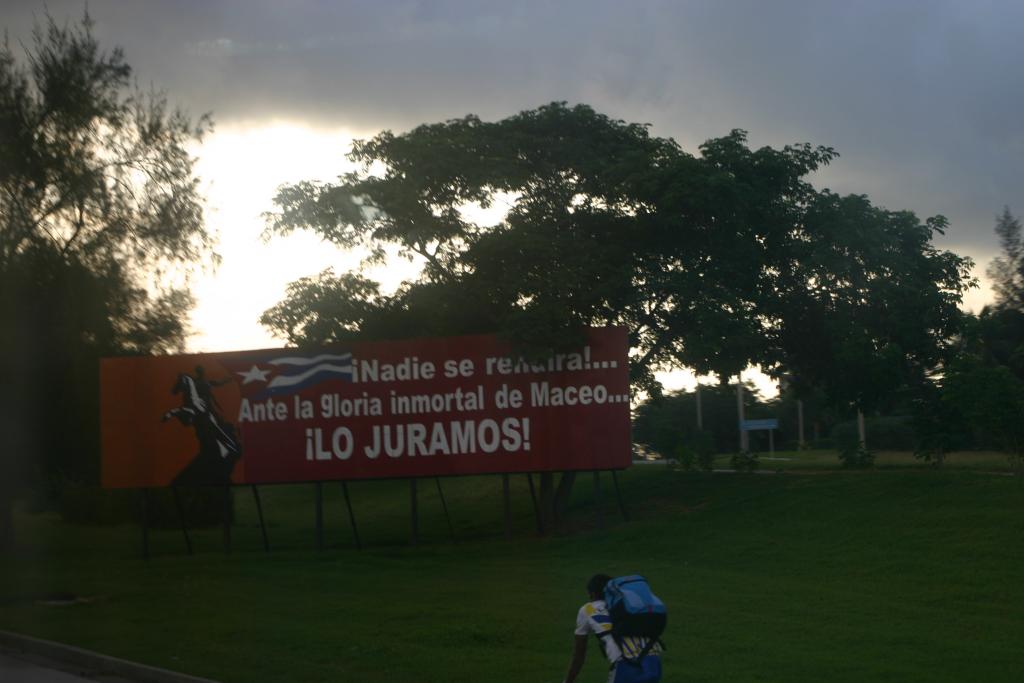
(991, 399)
(713, 262)
(984, 387)
(1007, 270)
(999, 334)
(668, 422)
(98, 198)
(868, 304)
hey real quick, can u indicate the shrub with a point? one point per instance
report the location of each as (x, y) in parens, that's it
(745, 461)
(703, 445)
(706, 460)
(685, 457)
(856, 458)
(697, 449)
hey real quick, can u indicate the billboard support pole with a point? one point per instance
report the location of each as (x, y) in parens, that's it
(506, 500)
(618, 496)
(144, 519)
(319, 516)
(259, 512)
(444, 506)
(413, 509)
(597, 499)
(351, 515)
(181, 518)
(227, 518)
(536, 510)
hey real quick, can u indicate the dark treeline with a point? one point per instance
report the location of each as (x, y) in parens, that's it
(667, 425)
(972, 400)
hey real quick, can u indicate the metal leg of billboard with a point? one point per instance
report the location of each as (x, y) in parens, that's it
(548, 509)
(351, 515)
(414, 511)
(181, 519)
(618, 496)
(536, 509)
(144, 520)
(259, 513)
(507, 505)
(227, 519)
(597, 500)
(444, 506)
(319, 516)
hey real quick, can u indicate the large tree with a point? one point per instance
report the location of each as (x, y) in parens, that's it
(713, 262)
(605, 225)
(864, 304)
(98, 199)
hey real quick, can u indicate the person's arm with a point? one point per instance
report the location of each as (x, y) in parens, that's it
(579, 655)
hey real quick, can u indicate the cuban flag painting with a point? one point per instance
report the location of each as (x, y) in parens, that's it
(289, 374)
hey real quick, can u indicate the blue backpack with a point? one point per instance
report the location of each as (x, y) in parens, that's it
(635, 611)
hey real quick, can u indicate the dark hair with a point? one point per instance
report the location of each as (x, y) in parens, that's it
(596, 584)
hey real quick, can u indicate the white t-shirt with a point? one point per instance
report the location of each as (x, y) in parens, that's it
(593, 618)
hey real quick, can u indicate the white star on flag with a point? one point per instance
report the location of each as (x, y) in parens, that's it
(254, 374)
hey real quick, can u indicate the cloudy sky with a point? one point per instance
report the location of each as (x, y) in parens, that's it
(922, 99)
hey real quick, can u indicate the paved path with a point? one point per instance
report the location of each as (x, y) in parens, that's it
(24, 659)
(19, 668)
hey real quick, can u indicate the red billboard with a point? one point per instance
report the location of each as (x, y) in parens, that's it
(412, 408)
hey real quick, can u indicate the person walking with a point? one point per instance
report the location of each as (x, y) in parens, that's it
(593, 618)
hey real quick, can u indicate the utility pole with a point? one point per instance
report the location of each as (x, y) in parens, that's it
(744, 437)
(700, 415)
(802, 443)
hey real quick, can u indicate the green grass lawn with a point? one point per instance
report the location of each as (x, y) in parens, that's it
(901, 574)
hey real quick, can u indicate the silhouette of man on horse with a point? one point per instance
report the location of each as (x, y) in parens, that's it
(219, 448)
